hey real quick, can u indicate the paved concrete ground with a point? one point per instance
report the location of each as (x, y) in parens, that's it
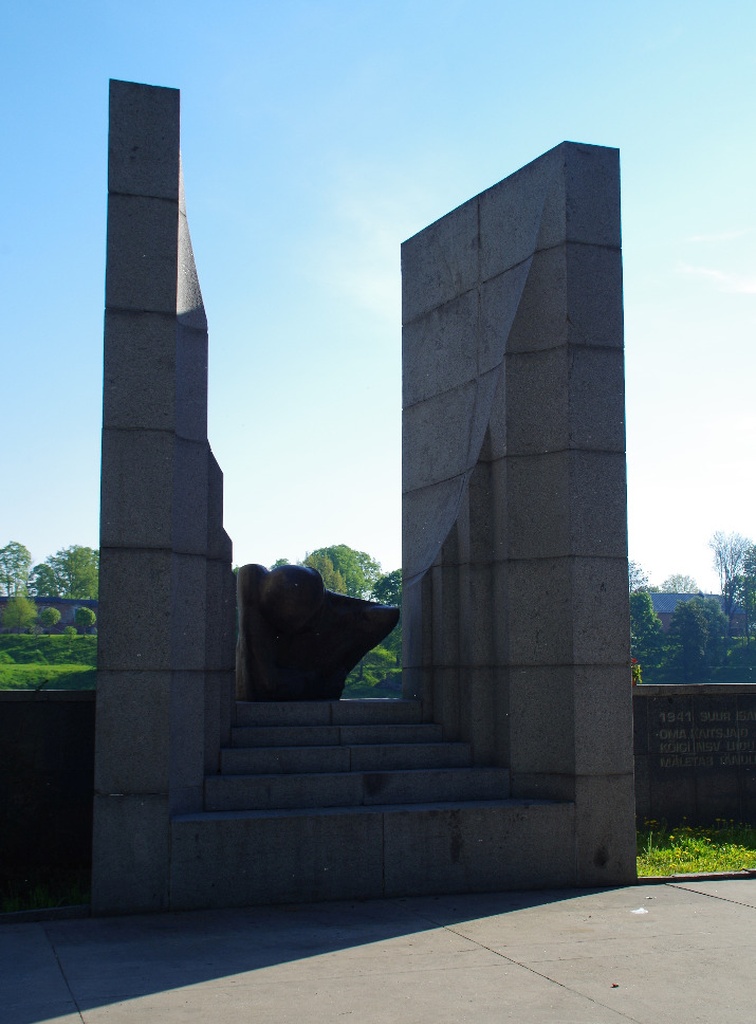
(657, 954)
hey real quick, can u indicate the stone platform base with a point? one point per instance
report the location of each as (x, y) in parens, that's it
(358, 800)
(245, 858)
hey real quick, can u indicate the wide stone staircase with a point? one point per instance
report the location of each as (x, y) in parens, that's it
(355, 799)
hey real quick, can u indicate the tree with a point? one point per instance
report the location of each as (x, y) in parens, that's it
(637, 577)
(19, 614)
(698, 636)
(42, 582)
(49, 618)
(357, 569)
(72, 572)
(730, 550)
(388, 588)
(646, 633)
(745, 590)
(15, 564)
(332, 579)
(84, 618)
(678, 583)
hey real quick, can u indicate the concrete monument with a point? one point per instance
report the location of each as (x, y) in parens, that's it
(166, 612)
(515, 621)
(508, 764)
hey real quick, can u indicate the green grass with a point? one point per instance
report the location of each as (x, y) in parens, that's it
(41, 662)
(47, 677)
(42, 888)
(725, 846)
(25, 649)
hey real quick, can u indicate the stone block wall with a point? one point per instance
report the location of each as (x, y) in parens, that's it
(166, 612)
(516, 618)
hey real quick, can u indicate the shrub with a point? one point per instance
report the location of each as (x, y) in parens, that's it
(85, 618)
(49, 617)
(19, 614)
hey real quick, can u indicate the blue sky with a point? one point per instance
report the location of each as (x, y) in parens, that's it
(317, 135)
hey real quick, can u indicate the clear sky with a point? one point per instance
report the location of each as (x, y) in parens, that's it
(317, 135)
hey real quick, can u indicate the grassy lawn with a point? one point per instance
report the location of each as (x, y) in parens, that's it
(726, 846)
(48, 662)
(47, 677)
(58, 649)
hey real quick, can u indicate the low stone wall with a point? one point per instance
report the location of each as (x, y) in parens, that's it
(46, 778)
(695, 752)
(695, 757)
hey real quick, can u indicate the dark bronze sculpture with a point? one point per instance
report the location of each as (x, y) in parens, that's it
(297, 640)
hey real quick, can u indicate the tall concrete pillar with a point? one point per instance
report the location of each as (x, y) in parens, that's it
(516, 617)
(166, 607)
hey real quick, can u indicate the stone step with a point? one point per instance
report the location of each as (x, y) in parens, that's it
(328, 712)
(346, 789)
(333, 735)
(342, 758)
(230, 858)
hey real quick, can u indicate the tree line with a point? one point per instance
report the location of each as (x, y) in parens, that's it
(72, 572)
(709, 638)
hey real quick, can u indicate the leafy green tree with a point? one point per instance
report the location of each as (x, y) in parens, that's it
(19, 614)
(332, 579)
(84, 618)
(678, 583)
(42, 582)
(387, 589)
(717, 623)
(49, 618)
(15, 565)
(358, 570)
(698, 638)
(72, 572)
(646, 633)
